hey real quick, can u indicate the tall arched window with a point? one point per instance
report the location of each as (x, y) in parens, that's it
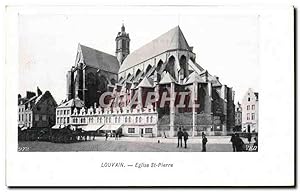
(138, 72)
(201, 99)
(183, 65)
(170, 67)
(101, 84)
(158, 69)
(128, 76)
(148, 69)
(159, 65)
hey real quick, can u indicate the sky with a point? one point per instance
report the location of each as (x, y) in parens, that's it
(227, 45)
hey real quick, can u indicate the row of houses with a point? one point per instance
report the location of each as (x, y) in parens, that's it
(36, 110)
(39, 110)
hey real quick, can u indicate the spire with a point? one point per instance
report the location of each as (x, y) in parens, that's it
(123, 27)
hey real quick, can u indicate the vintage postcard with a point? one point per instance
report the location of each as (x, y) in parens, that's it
(181, 82)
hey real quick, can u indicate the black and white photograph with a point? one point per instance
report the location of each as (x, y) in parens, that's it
(152, 87)
(172, 83)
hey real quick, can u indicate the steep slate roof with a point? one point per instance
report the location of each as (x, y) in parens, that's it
(99, 60)
(72, 103)
(173, 39)
(33, 101)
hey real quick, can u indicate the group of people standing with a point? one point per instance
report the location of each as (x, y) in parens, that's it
(237, 143)
(184, 134)
(115, 134)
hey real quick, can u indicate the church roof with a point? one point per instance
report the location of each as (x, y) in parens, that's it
(99, 59)
(171, 40)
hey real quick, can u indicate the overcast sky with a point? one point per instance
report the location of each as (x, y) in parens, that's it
(226, 45)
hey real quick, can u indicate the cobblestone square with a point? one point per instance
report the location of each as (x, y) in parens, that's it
(129, 144)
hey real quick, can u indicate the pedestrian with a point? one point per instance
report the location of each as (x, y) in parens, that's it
(249, 138)
(239, 143)
(233, 141)
(106, 136)
(185, 138)
(204, 141)
(116, 135)
(179, 136)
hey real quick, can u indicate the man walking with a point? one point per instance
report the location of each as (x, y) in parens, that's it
(179, 136)
(106, 135)
(204, 141)
(233, 141)
(185, 138)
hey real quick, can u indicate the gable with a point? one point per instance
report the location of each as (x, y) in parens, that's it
(97, 59)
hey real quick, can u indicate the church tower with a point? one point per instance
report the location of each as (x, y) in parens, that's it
(122, 45)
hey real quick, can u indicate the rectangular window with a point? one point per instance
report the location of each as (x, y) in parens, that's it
(248, 107)
(253, 107)
(57, 120)
(37, 117)
(57, 112)
(29, 117)
(19, 117)
(44, 118)
(68, 120)
(252, 116)
(248, 116)
(131, 130)
(148, 130)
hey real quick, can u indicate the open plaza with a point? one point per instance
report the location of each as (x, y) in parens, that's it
(131, 144)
